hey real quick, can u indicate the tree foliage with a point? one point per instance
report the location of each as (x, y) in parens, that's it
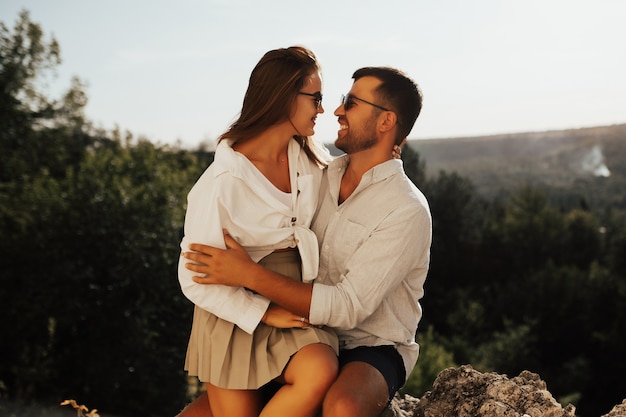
(91, 223)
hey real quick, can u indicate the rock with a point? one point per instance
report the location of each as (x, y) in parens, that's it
(401, 406)
(617, 411)
(465, 392)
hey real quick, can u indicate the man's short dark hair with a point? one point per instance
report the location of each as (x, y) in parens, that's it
(398, 93)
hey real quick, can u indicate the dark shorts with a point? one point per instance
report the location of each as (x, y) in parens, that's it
(385, 359)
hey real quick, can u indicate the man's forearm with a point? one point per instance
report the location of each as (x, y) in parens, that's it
(292, 295)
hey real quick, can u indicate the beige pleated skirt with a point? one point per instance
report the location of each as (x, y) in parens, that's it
(220, 353)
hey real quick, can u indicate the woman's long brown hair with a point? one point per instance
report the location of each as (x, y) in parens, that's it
(272, 90)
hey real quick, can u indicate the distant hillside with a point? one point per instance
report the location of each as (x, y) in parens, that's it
(592, 158)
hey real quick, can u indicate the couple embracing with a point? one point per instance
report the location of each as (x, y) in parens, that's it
(306, 271)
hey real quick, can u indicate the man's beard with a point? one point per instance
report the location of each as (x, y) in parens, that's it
(361, 140)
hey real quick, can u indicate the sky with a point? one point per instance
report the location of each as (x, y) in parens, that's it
(176, 72)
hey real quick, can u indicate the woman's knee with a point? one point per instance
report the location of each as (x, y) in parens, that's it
(323, 362)
(315, 364)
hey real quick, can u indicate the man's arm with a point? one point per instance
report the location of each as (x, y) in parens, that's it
(234, 267)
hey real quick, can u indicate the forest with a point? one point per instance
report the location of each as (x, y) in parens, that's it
(531, 276)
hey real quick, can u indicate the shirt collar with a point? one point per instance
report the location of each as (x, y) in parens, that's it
(227, 159)
(375, 174)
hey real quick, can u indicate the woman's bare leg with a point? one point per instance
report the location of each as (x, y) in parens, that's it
(197, 408)
(231, 402)
(308, 376)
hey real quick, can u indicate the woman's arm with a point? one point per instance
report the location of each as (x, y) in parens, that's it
(203, 223)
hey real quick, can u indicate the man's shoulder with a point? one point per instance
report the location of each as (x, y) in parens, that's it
(402, 191)
(395, 202)
(416, 196)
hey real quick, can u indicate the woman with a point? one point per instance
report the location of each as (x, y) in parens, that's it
(262, 187)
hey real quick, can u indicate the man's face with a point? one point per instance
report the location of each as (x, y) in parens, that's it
(357, 119)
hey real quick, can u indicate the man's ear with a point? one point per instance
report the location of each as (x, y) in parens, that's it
(388, 121)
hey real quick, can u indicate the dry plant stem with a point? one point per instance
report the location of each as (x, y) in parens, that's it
(81, 410)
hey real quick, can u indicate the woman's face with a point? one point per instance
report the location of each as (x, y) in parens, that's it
(308, 105)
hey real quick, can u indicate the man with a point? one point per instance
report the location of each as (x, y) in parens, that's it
(374, 228)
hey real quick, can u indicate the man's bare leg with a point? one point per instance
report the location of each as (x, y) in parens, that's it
(359, 391)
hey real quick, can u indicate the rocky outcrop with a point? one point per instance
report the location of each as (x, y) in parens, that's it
(617, 411)
(466, 392)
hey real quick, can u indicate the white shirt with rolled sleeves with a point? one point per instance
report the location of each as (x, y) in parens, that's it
(232, 194)
(374, 258)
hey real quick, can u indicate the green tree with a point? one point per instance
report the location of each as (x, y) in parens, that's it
(509, 349)
(582, 239)
(35, 157)
(38, 135)
(532, 230)
(126, 324)
(414, 166)
(91, 224)
(615, 237)
(456, 212)
(24, 55)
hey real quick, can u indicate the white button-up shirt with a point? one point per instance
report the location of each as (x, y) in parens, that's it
(233, 194)
(374, 257)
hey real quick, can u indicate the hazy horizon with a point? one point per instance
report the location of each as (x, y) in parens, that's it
(178, 71)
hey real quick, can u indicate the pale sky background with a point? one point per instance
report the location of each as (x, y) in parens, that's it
(178, 70)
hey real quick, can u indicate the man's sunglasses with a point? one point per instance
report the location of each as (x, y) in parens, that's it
(348, 101)
(317, 98)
